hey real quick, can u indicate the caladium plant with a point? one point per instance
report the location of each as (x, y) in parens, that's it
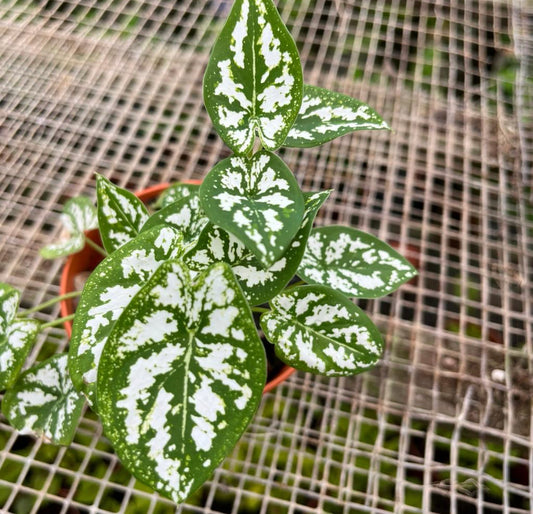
(165, 346)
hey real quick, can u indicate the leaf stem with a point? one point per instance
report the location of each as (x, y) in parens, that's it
(95, 246)
(296, 284)
(58, 321)
(260, 309)
(46, 304)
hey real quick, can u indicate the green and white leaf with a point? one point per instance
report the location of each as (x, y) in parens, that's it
(253, 81)
(186, 215)
(44, 402)
(120, 214)
(257, 200)
(258, 284)
(353, 262)
(181, 377)
(15, 345)
(325, 115)
(319, 330)
(9, 303)
(176, 192)
(109, 289)
(79, 215)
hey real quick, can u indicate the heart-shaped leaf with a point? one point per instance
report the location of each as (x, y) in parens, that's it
(186, 215)
(181, 377)
(79, 215)
(258, 284)
(319, 330)
(353, 262)
(325, 115)
(121, 214)
(253, 81)
(176, 192)
(44, 402)
(109, 289)
(257, 200)
(14, 348)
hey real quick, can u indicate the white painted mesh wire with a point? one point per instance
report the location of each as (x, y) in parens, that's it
(443, 424)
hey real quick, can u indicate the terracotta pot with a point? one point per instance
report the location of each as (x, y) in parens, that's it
(87, 259)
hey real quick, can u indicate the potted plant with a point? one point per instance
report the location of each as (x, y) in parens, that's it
(164, 344)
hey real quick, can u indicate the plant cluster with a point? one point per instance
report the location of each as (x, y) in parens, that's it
(164, 346)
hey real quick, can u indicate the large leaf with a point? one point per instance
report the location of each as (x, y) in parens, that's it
(79, 215)
(253, 81)
(14, 348)
(176, 192)
(325, 115)
(180, 377)
(353, 262)
(319, 330)
(120, 214)
(186, 215)
(44, 402)
(257, 200)
(258, 284)
(109, 289)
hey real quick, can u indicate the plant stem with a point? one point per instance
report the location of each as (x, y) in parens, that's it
(42, 306)
(95, 246)
(260, 309)
(58, 321)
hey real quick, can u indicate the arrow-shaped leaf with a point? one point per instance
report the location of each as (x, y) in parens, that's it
(319, 330)
(325, 115)
(44, 402)
(180, 377)
(79, 215)
(186, 215)
(121, 214)
(176, 192)
(257, 200)
(353, 262)
(253, 80)
(109, 289)
(258, 284)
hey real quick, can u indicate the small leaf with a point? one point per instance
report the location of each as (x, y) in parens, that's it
(185, 215)
(176, 192)
(79, 215)
(257, 200)
(258, 284)
(318, 330)
(44, 402)
(253, 80)
(180, 377)
(120, 214)
(9, 302)
(353, 262)
(109, 289)
(14, 348)
(325, 115)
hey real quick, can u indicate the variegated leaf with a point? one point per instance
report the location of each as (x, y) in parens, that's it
(319, 330)
(44, 402)
(181, 377)
(258, 200)
(325, 115)
(186, 215)
(353, 262)
(14, 348)
(109, 289)
(253, 81)
(79, 215)
(120, 214)
(176, 192)
(258, 284)
(9, 303)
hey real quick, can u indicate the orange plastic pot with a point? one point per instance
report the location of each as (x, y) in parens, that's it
(87, 259)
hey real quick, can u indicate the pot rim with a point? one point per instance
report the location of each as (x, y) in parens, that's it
(71, 269)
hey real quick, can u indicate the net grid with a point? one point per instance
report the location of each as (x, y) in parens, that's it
(443, 424)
